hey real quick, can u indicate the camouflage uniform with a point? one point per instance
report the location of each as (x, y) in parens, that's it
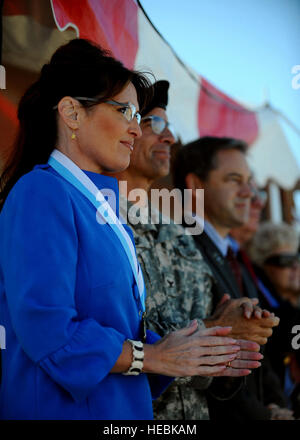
(178, 284)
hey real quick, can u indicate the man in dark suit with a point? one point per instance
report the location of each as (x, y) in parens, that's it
(219, 167)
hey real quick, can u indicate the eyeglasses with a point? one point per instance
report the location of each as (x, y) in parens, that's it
(159, 125)
(126, 108)
(283, 260)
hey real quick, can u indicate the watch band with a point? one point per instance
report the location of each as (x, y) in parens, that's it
(137, 358)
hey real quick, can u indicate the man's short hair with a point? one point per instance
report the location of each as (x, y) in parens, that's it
(200, 157)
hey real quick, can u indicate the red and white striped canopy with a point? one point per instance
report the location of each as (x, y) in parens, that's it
(32, 30)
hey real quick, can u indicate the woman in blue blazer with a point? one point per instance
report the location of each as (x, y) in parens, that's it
(71, 291)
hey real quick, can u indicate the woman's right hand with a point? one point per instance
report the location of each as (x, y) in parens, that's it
(191, 352)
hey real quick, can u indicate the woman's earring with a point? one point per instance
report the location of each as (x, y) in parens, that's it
(73, 136)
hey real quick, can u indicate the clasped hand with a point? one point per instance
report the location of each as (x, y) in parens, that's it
(248, 321)
(202, 352)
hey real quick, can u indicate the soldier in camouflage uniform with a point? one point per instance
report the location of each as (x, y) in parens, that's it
(177, 279)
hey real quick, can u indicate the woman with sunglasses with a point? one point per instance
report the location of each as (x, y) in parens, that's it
(274, 249)
(71, 291)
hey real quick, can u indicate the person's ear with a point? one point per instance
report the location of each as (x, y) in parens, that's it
(193, 182)
(69, 110)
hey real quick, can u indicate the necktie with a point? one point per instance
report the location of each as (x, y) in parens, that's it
(235, 267)
(246, 261)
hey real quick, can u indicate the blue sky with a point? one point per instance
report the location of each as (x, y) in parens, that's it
(245, 48)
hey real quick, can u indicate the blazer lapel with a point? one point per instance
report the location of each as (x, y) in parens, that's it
(221, 270)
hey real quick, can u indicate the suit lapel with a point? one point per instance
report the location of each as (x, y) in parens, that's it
(221, 270)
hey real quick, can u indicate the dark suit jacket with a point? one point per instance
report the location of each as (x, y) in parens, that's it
(248, 403)
(225, 281)
(279, 344)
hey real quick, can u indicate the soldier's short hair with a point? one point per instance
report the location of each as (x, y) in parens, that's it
(269, 238)
(200, 157)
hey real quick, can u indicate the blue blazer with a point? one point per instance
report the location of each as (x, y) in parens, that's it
(68, 301)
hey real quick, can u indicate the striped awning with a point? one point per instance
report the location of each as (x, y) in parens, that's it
(32, 30)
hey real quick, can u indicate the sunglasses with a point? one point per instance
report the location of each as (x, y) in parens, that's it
(281, 260)
(126, 108)
(159, 125)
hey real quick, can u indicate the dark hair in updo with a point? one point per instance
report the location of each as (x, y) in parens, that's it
(78, 68)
